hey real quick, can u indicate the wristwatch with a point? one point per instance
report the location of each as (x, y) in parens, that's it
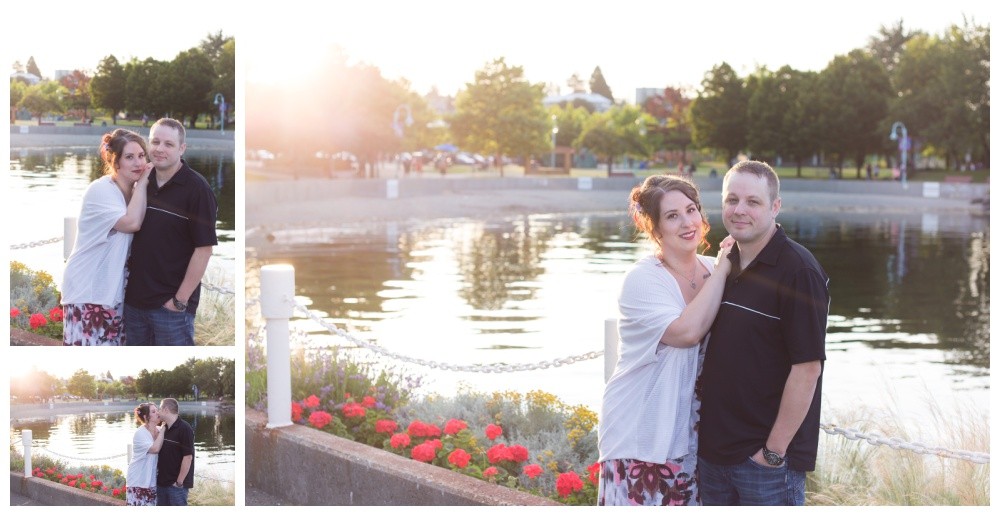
(179, 306)
(772, 458)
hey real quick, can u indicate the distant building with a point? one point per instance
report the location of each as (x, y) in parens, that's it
(641, 94)
(59, 74)
(443, 104)
(600, 102)
(26, 77)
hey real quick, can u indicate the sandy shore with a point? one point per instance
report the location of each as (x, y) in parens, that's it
(43, 410)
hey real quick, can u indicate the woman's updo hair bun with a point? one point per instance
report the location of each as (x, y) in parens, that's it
(142, 413)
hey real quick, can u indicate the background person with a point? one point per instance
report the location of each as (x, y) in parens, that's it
(175, 468)
(93, 285)
(648, 434)
(140, 480)
(762, 379)
(174, 245)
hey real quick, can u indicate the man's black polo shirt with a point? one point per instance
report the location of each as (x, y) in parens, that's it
(178, 441)
(180, 216)
(773, 315)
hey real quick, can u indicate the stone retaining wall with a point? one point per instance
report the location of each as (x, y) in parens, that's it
(308, 467)
(47, 492)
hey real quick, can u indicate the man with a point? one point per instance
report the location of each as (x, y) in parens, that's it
(175, 466)
(170, 252)
(761, 382)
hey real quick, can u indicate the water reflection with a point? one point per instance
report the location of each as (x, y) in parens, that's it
(911, 282)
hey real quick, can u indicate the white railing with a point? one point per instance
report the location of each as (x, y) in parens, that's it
(277, 305)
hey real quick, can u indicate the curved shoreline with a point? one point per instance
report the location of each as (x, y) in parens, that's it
(43, 411)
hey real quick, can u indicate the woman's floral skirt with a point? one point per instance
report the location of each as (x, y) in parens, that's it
(140, 495)
(634, 482)
(93, 325)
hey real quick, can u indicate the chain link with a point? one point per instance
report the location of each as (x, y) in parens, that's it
(488, 368)
(221, 290)
(898, 444)
(35, 244)
(88, 459)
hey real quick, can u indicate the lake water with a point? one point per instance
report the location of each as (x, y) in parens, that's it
(908, 328)
(78, 439)
(44, 186)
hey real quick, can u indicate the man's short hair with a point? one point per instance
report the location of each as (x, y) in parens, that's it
(174, 124)
(170, 405)
(759, 169)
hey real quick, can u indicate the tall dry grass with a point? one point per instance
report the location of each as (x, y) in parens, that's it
(857, 473)
(215, 322)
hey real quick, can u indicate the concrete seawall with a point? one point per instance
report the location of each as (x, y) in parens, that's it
(34, 136)
(47, 492)
(308, 467)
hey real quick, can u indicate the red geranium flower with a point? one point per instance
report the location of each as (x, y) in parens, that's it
(72, 483)
(296, 411)
(115, 492)
(418, 428)
(490, 472)
(37, 320)
(385, 426)
(436, 443)
(423, 452)
(312, 401)
(594, 470)
(518, 453)
(493, 431)
(56, 314)
(399, 441)
(568, 483)
(459, 457)
(353, 410)
(454, 426)
(14, 312)
(368, 402)
(319, 419)
(532, 470)
(498, 453)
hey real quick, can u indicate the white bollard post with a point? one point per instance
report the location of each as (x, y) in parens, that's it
(128, 455)
(69, 236)
(26, 441)
(277, 293)
(610, 347)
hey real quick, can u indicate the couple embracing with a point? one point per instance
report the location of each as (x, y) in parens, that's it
(715, 398)
(161, 470)
(144, 239)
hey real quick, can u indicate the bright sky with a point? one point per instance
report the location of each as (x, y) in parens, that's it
(636, 43)
(62, 362)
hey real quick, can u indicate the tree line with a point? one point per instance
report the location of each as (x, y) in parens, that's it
(937, 86)
(184, 88)
(214, 377)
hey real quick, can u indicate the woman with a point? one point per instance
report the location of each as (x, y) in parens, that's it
(140, 481)
(647, 436)
(93, 285)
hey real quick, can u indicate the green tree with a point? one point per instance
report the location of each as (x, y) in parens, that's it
(855, 91)
(599, 86)
(501, 113)
(942, 92)
(620, 131)
(672, 130)
(44, 97)
(107, 88)
(82, 384)
(17, 91)
(77, 85)
(191, 79)
(889, 44)
(802, 125)
(570, 121)
(32, 68)
(719, 113)
(144, 383)
(148, 88)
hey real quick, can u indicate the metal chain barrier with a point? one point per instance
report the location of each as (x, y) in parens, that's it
(87, 459)
(221, 290)
(898, 444)
(35, 244)
(489, 368)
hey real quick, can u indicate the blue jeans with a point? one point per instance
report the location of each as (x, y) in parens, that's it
(171, 495)
(749, 483)
(158, 327)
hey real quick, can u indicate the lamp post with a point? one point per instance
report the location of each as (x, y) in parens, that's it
(221, 102)
(904, 148)
(555, 131)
